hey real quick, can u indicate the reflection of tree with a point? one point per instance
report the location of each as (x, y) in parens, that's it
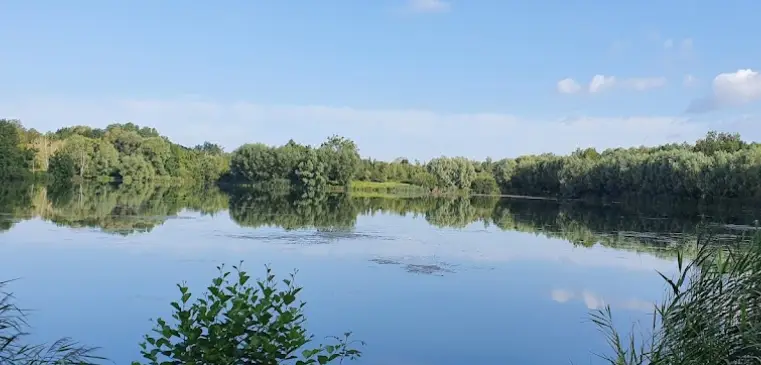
(325, 211)
(653, 226)
(124, 209)
(15, 200)
(633, 224)
(458, 212)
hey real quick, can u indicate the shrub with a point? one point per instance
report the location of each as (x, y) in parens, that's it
(484, 184)
(239, 323)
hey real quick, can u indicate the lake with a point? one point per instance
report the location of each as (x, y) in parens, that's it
(423, 281)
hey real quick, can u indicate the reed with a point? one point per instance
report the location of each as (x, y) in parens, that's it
(14, 350)
(711, 313)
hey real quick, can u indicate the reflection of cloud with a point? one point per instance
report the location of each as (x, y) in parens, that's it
(595, 301)
(561, 295)
(592, 301)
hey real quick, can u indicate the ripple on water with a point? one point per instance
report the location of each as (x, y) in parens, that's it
(438, 269)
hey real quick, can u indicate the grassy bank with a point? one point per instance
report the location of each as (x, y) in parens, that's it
(395, 189)
(386, 189)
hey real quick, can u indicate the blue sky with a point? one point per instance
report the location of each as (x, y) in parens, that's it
(415, 78)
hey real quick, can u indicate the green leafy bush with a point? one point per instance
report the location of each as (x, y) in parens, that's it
(239, 323)
(484, 184)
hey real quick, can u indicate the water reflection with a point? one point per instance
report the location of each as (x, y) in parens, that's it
(652, 226)
(595, 301)
(355, 255)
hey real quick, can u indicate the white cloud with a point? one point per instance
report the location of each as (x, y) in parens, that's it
(600, 83)
(729, 90)
(380, 133)
(428, 6)
(668, 44)
(568, 86)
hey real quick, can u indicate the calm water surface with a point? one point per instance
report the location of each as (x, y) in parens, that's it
(422, 281)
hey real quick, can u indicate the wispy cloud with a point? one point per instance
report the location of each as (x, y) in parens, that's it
(730, 90)
(568, 86)
(601, 83)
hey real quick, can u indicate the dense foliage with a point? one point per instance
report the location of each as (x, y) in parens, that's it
(310, 170)
(721, 165)
(14, 155)
(236, 322)
(120, 152)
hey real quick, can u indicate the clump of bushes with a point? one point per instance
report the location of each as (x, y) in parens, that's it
(484, 184)
(239, 323)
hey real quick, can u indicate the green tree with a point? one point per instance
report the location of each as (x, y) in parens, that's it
(310, 176)
(105, 162)
(484, 183)
(134, 168)
(715, 142)
(253, 163)
(209, 148)
(457, 172)
(14, 158)
(126, 141)
(62, 167)
(81, 150)
(157, 152)
(342, 157)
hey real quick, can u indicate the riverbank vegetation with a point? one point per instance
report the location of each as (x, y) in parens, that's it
(721, 165)
(120, 152)
(710, 314)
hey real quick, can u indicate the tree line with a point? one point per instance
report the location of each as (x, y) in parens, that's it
(120, 152)
(720, 165)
